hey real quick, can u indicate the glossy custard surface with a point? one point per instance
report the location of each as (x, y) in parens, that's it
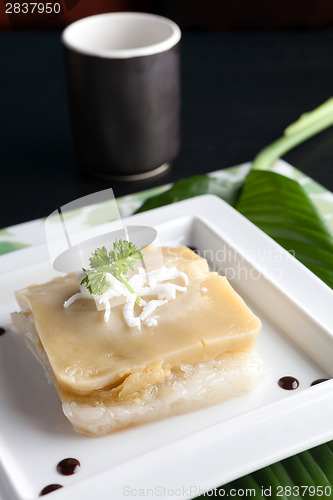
(88, 354)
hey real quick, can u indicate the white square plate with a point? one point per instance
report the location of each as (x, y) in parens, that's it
(182, 456)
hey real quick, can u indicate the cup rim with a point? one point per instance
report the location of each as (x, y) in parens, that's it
(146, 50)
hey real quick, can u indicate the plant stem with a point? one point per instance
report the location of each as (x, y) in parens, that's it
(305, 127)
(128, 286)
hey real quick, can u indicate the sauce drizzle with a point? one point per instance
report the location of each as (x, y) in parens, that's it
(68, 466)
(319, 381)
(49, 488)
(288, 383)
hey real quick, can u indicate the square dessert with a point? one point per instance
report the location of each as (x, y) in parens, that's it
(188, 342)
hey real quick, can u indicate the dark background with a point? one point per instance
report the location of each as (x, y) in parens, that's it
(248, 70)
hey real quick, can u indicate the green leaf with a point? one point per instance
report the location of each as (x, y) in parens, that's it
(5, 232)
(283, 210)
(195, 186)
(10, 246)
(302, 476)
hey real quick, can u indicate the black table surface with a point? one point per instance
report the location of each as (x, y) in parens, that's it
(239, 91)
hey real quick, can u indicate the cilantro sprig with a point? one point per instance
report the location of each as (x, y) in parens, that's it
(117, 262)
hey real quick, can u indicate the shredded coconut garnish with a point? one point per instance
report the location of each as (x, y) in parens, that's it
(144, 284)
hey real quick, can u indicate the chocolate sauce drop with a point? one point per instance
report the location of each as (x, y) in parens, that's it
(319, 381)
(288, 383)
(68, 466)
(2, 331)
(49, 488)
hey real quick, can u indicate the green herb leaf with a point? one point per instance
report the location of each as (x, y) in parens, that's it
(117, 262)
(99, 258)
(125, 256)
(96, 281)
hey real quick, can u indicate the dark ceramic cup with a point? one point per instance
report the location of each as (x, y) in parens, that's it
(124, 92)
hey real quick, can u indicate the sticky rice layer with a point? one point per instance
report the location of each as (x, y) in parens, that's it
(186, 389)
(190, 388)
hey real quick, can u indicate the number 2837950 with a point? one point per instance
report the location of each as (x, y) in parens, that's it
(32, 8)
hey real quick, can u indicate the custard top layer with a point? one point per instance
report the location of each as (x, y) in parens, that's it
(86, 353)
